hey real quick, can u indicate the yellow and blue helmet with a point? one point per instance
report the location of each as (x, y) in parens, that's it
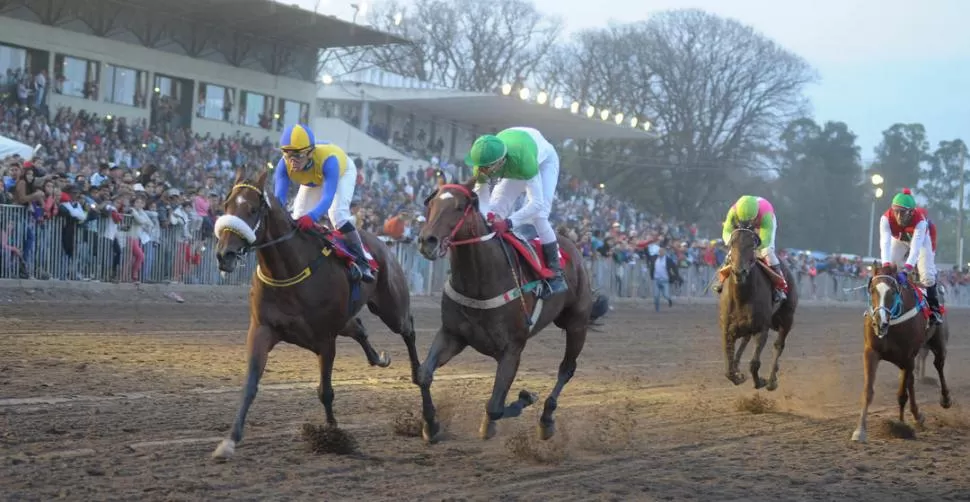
(297, 137)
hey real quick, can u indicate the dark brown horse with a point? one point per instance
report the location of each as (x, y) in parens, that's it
(303, 293)
(894, 330)
(747, 309)
(489, 304)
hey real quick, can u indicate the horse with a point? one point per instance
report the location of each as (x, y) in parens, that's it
(894, 330)
(304, 292)
(494, 303)
(747, 308)
(937, 338)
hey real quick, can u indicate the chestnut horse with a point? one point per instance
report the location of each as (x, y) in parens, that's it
(303, 292)
(747, 309)
(490, 304)
(894, 330)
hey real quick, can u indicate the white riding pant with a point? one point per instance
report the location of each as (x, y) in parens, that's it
(768, 253)
(926, 264)
(308, 197)
(507, 190)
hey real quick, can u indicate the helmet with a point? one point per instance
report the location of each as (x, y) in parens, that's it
(486, 151)
(746, 208)
(297, 137)
(904, 199)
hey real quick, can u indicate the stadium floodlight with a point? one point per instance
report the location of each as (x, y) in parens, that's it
(524, 93)
(604, 114)
(557, 103)
(634, 121)
(590, 111)
(506, 89)
(618, 119)
(542, 97)
(574, 107)
(398, 17)
(646, 125)
(327, 79)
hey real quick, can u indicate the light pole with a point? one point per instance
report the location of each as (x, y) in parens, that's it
(877, 193)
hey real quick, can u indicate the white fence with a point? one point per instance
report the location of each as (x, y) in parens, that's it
(61, 249)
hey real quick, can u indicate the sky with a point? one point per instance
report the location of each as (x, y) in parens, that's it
(879, 61)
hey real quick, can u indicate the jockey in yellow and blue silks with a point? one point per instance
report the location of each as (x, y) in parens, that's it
(327, 179)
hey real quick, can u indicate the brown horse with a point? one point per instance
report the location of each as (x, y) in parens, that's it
(894, 330)
(747, 309)
(489, 305)
(937, 338)
(303, 292)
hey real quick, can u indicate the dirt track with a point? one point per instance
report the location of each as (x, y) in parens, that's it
(142, 393)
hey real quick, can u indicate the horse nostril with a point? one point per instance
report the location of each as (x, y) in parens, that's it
(430, 240)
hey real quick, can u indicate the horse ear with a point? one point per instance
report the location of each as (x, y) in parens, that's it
(240, 175)
(470, 186)
(261, 180)
(441, 181)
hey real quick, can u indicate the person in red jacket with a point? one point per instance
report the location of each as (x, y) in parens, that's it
(907, 228)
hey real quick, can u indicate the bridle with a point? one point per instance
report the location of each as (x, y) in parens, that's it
(757, 242)
(450, 242)
(261, 212)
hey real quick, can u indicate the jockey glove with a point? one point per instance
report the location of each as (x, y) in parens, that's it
(501, 226)
(305, 222)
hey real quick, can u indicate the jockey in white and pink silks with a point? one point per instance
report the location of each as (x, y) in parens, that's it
(758, 214)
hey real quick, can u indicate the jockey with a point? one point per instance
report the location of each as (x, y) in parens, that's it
(757, 214)
(327, 179)
(905, 227)
(524, 161)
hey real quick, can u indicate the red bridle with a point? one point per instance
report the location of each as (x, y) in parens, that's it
(449, 241)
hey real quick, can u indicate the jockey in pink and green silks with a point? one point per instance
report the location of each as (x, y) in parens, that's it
(756, 213)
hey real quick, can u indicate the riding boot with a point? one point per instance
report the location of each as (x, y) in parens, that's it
(356, 247)
(780, 288)
(557, 284)
(936, 317)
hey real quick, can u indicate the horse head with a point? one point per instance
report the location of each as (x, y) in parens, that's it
(744, 243)
(452, 213)
(885, 298)
(241, 226)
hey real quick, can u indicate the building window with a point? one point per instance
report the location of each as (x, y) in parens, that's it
(12, 60)
(124, 86)
(215, 102)
(291, 112)
(76, 77)
(254, 109)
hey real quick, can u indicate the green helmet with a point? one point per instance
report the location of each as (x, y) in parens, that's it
(905, 199)
(486, 151)
(746, 208)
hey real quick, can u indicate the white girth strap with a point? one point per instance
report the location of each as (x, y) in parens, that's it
(491, 303)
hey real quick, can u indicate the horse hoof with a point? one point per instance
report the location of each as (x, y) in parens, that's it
(945, 402)
(760, 383)
(547, 430)
(737, 378)
(921, 419)
(225, 450)
(430, 432)
(772, 385)
(487, 430)
(384, 360)
(859, 436)
(528, 398)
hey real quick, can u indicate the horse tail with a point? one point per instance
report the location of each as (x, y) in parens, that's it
(601, 305)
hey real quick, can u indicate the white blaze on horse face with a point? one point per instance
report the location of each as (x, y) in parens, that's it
(446, 196)
(881, 290)
(240, 200)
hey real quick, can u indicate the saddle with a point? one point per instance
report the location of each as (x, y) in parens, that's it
(776, 280)
(525, 241)
(334, 241)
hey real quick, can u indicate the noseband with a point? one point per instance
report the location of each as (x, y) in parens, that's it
(895, 313)
(450, 242)
(250, 243)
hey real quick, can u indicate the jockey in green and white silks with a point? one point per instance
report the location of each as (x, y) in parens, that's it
(523, 160)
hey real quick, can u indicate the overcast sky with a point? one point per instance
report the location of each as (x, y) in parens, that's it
(880, 61)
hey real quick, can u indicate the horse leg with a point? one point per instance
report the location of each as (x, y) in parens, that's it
(575, 339)
(870, 361)
(325, 390)
(355, 329)
(732, 359)
(911, 387)
(779, 348)
(938, 346)
(259, 342)
(756, 359)
(496, 409)
(403, 325)
(901, 396)
(444, 347)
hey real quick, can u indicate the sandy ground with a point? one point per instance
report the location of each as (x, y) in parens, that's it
(123, 396)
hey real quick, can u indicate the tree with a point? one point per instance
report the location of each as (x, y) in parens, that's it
(463, 44)
(941, 188)
(717, 92)
(822, 201)
(903, 150)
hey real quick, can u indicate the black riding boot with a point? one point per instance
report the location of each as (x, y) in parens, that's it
(558, 282)
(780, 295)
(934, 301)
(355, 246)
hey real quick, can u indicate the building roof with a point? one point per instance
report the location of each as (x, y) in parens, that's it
(488, 111)
(271, 20)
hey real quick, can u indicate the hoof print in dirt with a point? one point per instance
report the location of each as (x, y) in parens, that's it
(328, 439)
(894, 429)
(408, 424)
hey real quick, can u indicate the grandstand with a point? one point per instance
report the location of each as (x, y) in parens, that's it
(219, 67)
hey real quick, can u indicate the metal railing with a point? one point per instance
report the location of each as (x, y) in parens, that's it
(98, 249)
